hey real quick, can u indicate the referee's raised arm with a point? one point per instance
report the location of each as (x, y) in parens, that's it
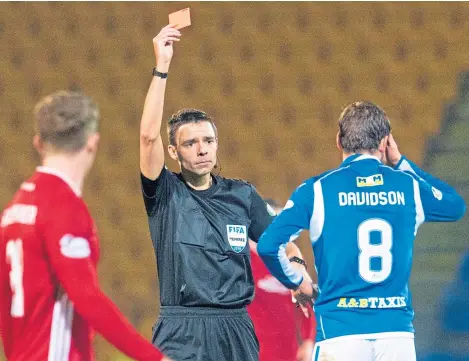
(151, 145)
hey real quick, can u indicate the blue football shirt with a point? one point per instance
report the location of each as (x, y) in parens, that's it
(362, 218)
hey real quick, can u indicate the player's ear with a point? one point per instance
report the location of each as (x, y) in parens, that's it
(173, 152)
(383, 144)
(37, 143)
(92, 143)
(337, 142)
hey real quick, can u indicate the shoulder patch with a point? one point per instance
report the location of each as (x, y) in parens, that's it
(437, 193)
(74, 247)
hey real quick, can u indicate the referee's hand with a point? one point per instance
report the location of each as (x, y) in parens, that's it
(163, 46)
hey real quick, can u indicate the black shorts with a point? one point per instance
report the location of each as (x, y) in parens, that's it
(205, 334)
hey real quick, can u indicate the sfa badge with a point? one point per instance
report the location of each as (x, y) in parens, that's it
(237, 237)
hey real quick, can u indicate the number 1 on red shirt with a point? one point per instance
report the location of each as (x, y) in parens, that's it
(14, 255)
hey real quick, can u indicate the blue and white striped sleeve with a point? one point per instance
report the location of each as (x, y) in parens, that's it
(286, 227)
(439, 201)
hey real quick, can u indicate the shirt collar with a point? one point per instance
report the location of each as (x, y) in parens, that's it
(61, 175)
(357, 157)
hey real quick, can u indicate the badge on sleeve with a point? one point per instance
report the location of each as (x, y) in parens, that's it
(237, 237)
(437, 193)
(74, 247)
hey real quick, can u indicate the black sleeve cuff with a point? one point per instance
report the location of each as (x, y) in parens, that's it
(148, 186)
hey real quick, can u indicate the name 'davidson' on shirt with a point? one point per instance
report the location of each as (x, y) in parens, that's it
(371, 198)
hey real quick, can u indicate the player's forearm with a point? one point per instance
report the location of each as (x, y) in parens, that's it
(407, 165)
(292, 250)
(449, 207)
(104, 317)
(273, 254)
(150, 126)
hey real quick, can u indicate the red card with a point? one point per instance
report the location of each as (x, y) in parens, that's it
(181, 18)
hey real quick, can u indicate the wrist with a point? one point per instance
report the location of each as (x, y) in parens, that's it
(397, 161)
(162, 67)
(294, 289)
(298, 260)
(159, 74)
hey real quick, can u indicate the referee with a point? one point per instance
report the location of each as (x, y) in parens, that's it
(200, 224)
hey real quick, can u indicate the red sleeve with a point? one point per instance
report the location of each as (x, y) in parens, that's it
(5, 304)
(67, 236)
(308, 324)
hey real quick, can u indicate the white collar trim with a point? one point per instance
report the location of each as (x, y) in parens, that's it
(61, 175)
(366, 156)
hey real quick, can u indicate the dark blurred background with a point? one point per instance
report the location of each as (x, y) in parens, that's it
(275, 77)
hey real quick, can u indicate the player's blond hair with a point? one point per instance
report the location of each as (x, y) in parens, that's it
(65, 119)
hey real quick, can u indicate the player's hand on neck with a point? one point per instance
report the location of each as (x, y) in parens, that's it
(393, 155)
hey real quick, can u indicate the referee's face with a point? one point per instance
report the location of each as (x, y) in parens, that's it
(196, 148)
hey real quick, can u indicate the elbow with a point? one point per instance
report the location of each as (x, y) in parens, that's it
(264, 248)
(148, 137)
(82, 295)
(459, 208)
(261, 248)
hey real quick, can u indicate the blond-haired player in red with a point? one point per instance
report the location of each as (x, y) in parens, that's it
(50, 300)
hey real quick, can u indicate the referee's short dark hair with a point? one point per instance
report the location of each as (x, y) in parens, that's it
(362, 126)
(185, 116)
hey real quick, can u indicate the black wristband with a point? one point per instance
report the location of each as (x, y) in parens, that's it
(158, 74)
(298, 260)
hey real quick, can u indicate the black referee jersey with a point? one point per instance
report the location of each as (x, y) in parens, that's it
(201, 238)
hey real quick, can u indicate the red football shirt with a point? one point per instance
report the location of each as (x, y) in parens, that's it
(50, 300)
(279, 325)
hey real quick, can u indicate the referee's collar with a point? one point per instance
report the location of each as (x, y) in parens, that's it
(357, 157)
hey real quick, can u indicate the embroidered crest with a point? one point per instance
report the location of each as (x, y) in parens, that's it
(237, 237)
